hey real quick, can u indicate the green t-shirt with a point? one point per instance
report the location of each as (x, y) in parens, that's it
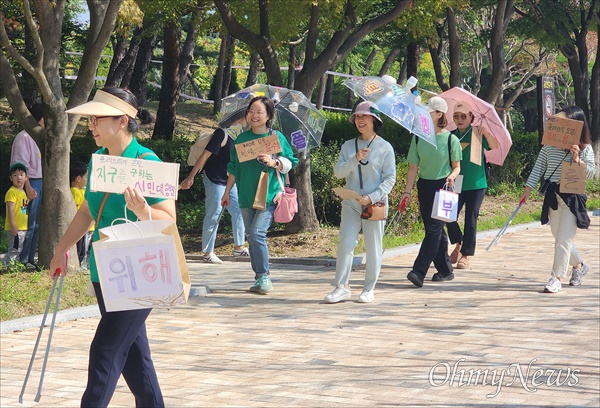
(473, 174)
(115, 204)
(434, 163)
(247, 173)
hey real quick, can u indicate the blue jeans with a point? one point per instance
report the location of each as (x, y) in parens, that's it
(257, 222)
(210, 224)
(33, 224)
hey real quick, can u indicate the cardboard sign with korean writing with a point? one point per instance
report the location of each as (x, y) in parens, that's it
(141, 265)
(264, 145)
(562, 132)
(572, 178)
(113, 174)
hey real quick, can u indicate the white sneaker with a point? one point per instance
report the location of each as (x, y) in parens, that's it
(241, 252)
(212, 258)
(577, 276)
(367, 296)
(340, 293)
(553, 285)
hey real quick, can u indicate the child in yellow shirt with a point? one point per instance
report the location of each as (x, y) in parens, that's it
(16, 211)
(78, 176)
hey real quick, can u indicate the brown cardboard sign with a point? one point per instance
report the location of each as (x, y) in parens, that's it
(562, 132)
(264, 145)
(572, 178)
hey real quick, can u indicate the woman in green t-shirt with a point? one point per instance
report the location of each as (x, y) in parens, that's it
(246, 175)
(120, 345)
(437, 166)
(472, 168)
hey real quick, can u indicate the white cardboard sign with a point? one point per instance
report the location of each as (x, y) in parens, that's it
(113, 174)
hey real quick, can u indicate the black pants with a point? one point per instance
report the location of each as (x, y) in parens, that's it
(120, 346)
(472, 200)
(435, 244)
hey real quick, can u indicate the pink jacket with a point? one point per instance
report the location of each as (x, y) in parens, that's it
(26, 151)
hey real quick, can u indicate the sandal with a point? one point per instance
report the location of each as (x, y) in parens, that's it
(455, 254)
(463, 263)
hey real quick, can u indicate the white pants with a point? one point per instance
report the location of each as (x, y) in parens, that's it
(563, 225)
(348, 239)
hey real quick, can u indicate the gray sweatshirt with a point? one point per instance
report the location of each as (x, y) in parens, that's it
(379, 175)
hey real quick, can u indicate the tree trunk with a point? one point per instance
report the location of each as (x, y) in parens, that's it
(30, 87)
(321, 94)
(139, 77)
(254, 69)
(291, 66)
(350, 93)
(328, 99)
(413, 57)
(454, 49)
(119, 50)
(402, 77)
(218, 88)
(305, 219)
(369, 60)
(229, 55)
(121, 74)
(389, 60)
(169, 92)
(187, 51)
(502, 15)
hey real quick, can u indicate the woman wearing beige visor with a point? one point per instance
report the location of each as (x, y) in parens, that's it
(120, 345)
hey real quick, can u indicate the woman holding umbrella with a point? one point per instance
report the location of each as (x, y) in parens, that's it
(438, 167)
(246, 175)
(473, 141)
(369, 166)
(566, 212)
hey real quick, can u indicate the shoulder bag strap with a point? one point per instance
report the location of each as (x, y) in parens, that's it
(359, 170)
(556, 168)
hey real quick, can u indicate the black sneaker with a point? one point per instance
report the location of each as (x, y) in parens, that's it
(415, 279)
(438, 277)
(34, 266)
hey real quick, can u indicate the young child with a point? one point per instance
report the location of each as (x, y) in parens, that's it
(16, 211)
(78, 176)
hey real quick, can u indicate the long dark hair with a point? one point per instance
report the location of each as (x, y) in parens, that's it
(576, 113)
(269, 106)
(126, 95)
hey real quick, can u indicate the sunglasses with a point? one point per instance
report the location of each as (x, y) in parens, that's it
(461, 116)
(94, 119)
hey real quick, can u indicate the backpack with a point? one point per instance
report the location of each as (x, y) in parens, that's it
(198, 147)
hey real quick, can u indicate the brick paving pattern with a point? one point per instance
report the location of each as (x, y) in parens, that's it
(288, 348)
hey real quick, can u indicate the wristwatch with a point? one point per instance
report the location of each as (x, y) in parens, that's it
(277, 163)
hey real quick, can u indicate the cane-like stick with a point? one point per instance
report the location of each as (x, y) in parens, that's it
(39, 391)
(37, 343)
(505, 226)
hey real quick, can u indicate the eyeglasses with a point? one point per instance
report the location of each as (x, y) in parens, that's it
(461, 116)
(253, 112)
(94, 119)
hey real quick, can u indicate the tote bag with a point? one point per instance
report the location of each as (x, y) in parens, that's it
(287, 202)
(141, 265)
(445, 205)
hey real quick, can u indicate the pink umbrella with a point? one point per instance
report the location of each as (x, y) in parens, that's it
(485, 117)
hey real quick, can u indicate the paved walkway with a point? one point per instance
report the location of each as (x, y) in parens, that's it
(508, 343)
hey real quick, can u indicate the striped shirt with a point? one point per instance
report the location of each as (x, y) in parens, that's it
(549, 164)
